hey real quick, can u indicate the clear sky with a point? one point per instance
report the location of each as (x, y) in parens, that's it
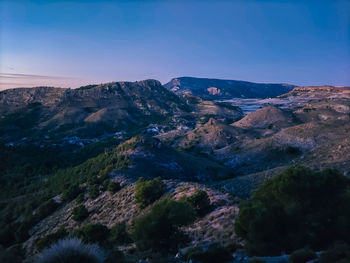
(72, 43)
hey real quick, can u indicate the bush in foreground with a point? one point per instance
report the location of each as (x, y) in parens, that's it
(71, 250)
(49, 239)
(297, 208)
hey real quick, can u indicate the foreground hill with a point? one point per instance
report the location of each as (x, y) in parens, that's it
(225, 89)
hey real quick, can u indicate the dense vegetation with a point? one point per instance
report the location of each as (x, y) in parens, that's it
(30, 177)
(159, 229)
(296, 209)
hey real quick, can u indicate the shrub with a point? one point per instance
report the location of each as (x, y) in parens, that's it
(49, 239)
(302, 256)
(105, 184)
(80, 213)
(80, 198)
(94, 191)
(297, 208)
(119, 235)
(93, 233)
(113, 187)
(71, 193)
(159, 229)
(200, 202)
(148, 191)
(47, 208)
(71, 250)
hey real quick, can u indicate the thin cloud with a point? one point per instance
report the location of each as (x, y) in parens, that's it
(30, 76)
(19, 80)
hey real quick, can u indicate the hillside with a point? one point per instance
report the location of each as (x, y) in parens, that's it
(71, 160)
(225, 89)
(86, 112)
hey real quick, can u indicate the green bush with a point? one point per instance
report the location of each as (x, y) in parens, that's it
(93, 233)
(113, 187)
(297, 208)
(119, 234)
(302, 256)
(200, 202)
(71, 193)
(47, 208)
(49, 239)
(148, 191)
(94, 191)
(80, 198)
(159, 229)
(80, 213)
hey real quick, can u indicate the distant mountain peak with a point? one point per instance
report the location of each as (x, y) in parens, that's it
(208, 88)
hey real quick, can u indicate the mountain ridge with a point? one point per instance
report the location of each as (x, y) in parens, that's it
(211, 88)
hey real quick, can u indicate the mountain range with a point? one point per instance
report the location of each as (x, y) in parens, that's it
(192, 134)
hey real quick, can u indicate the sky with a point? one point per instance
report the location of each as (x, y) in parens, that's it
(75, 43)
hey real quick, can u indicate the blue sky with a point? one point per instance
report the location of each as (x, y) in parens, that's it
(72, 43)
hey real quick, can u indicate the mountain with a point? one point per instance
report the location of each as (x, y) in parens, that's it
(225, 89)
(66, 150)
(85, 112)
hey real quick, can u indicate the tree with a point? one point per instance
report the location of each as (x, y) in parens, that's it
(119, 234)
(113, 187)
(200, 202)
(80, 213)
(148, 191)
(159, 229)
(93, 233)
(94, 191)
(297, 208)
(71, 193)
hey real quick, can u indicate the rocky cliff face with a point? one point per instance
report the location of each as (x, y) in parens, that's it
(225, 89)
